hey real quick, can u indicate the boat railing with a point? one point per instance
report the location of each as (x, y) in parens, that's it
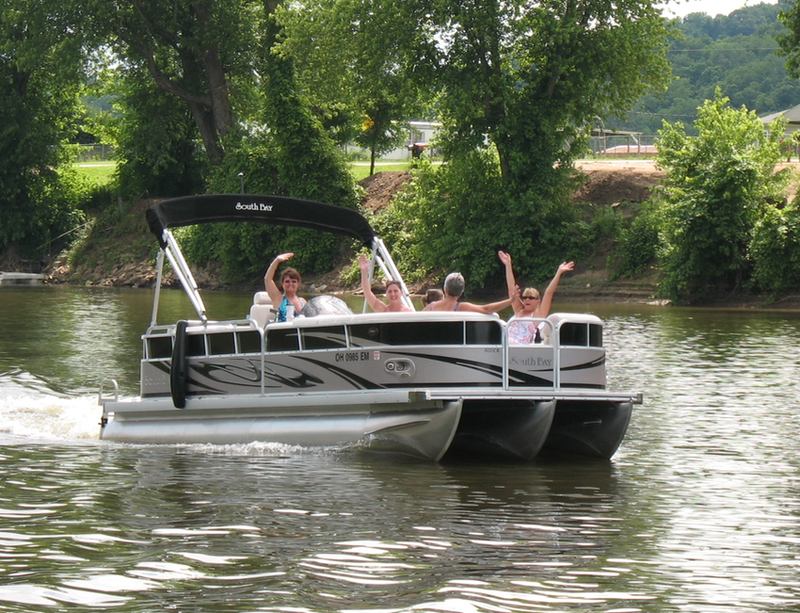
(103, 397)
(519, 340)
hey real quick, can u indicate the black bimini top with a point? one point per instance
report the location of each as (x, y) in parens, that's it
(278, 210)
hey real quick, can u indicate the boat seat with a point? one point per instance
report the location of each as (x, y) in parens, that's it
(262, 313)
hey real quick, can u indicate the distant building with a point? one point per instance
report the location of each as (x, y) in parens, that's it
(792, 117)
(629, 149)
(419, 138)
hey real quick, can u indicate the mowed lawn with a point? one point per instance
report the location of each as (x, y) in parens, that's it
(101, 173)
(360, 170)
(98, 173)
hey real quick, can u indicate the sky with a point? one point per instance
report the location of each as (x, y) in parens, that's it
(680, 8)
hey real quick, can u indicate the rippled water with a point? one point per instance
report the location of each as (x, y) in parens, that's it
(698, 511)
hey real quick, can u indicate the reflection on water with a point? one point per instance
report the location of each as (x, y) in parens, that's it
(324, 531)
(74, 338)
(698, 511)
(321, 531)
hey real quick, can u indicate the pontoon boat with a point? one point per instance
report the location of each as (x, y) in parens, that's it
(420, 383)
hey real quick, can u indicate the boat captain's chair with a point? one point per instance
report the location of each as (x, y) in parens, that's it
(261, 313)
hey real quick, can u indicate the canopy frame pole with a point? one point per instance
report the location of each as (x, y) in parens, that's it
(157, 295)
(181, 268)
(385, 261)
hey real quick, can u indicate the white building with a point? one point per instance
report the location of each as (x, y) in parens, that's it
(420, 134)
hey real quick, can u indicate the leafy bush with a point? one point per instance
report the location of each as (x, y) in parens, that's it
(448, 219)
(156, 142)
(38, 104)
(456, 217)
(775, 250)
(605, 225)
(295, 159)
(56, 213)
(100, 197)
(639, 243)
(718, 185)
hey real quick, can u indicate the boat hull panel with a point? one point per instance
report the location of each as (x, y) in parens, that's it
(588, 428)
(514, 429)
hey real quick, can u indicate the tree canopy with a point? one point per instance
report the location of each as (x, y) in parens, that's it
(211, 94)
(358, 65)
(528, 81)
(201, 52)
(41, 68)
(532, 77)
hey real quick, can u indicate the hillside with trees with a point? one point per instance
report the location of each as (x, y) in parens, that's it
(737, 53)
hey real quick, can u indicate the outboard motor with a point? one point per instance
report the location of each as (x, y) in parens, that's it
(325, 305)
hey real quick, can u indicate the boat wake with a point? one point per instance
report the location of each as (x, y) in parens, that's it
(31, 410)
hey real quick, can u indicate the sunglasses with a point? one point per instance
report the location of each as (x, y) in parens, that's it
(530, 297)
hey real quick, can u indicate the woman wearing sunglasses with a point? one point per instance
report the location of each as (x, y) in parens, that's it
(528, 302)
(285, 296)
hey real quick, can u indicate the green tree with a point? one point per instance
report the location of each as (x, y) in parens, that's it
(718, 186)
(40, 75)
(155, 139)
(517, 85)
(201, 52)
(356, 61)
(530, 78)
(295, 158)
(775, 250)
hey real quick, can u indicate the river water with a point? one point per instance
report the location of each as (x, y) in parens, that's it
(698, 511)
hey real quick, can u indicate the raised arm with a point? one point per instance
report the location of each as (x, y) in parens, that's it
(488, 309)
(275, 293)
(375, 303)
(547, 298)
(511, 282)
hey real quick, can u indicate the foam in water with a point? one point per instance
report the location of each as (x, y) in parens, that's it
(28, 408)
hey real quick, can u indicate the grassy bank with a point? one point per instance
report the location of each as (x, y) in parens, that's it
(120, 251)
(101, 173)
(98, 173)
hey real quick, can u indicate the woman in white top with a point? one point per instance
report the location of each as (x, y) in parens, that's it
(528, 302)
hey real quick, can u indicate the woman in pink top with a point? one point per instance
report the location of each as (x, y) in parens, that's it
(528, 302)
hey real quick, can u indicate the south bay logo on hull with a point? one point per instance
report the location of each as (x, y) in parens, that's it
(254, 206)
